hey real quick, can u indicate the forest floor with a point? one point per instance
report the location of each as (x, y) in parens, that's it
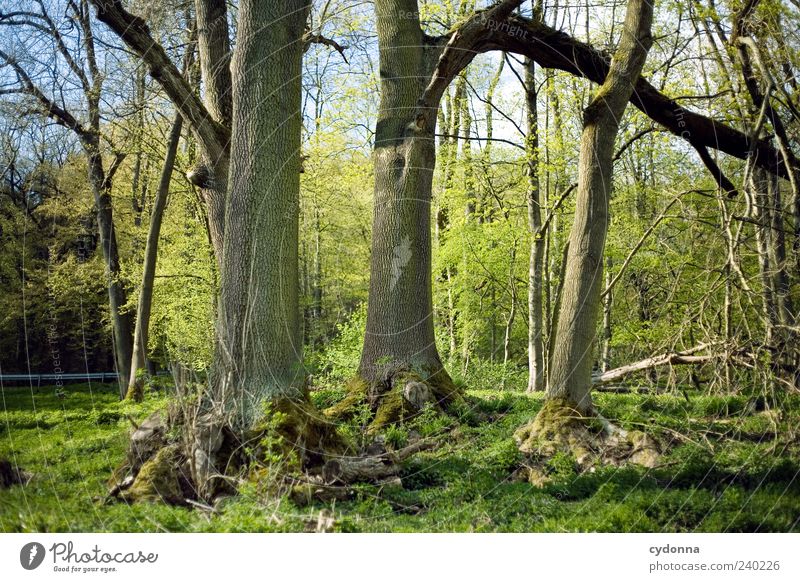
(728, 467)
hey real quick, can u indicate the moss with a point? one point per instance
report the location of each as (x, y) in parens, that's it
(554, 423)
(386, 398)
(356, 394)
(135, 391)
(392, 408)
(560, 429)
(158, 479)
(294, 431)
(445, 390)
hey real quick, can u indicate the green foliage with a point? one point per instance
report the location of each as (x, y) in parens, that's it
(485, 374)
(73, 444)
(338, 362)
(396, 436)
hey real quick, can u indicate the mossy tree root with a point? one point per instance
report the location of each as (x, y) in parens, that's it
(589, 438)
(292, 444)
(398, 397)
(292, 438)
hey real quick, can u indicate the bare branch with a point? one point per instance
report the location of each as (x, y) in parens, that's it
(311, 38)
(49, 107)
(135, 33)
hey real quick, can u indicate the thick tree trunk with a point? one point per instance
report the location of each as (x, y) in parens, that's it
(572, 358)
(258, 352)
(400, 333)
(141, 332)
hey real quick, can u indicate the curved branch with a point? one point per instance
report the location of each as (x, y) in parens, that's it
(488, 30)
(49, 107)
(135, 33)
(310, 38)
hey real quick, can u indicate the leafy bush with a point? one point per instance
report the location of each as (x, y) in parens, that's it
(338, 361)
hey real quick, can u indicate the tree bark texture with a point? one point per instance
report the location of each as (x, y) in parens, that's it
(400, 333)
(572, 358)
(259, 348)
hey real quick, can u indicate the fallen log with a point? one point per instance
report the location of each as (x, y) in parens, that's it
(686, 357)
(376, 467)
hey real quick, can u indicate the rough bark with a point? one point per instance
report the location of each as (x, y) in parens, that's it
(214, 49)
(259, 349)
(571, 371)
(141, 331)
(400, 333)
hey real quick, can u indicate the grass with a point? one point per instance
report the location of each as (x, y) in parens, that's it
(729, 467)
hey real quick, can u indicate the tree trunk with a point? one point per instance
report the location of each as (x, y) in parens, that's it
(316, 284)
(141, 332)
(571, 372)
(214, 49)
(400, 333)
(759, 212)
(605, 360)
(536, 376)
(258, 352)
(211, 175)
(117, 295)
(512, 313)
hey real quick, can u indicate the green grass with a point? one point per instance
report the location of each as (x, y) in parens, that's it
(728, 468)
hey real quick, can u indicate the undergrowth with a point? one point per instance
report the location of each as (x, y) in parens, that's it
(731, 464)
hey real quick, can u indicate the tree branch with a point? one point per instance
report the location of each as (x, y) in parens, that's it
(135, 33)
(683, 357)
(49, 107)
(498, 28)
(310, 38)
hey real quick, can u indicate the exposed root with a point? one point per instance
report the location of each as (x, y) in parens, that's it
(372, 466)
(591, 439)
(293, 447)
(165, 477)
(400, 396)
